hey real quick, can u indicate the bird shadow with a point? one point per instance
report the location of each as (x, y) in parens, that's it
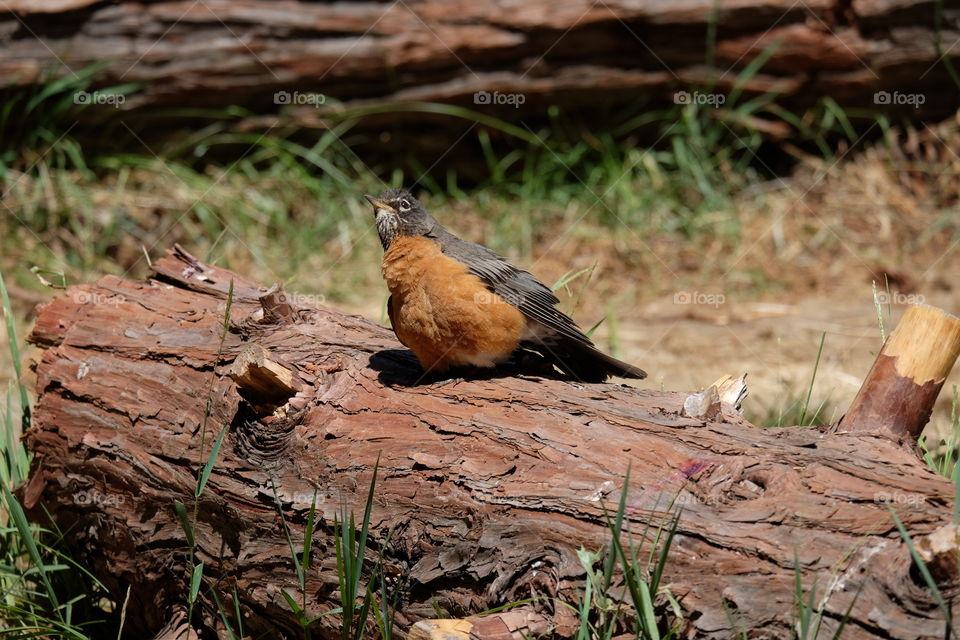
(400, 368)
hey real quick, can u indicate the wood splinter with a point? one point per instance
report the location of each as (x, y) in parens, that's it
(899, 392)
(707, 404)
(441, 629)
(515, 624)
(263, 381)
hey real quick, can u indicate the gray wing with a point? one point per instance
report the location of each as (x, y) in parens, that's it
(518, 287)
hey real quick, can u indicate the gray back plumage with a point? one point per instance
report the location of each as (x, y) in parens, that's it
(516, 286)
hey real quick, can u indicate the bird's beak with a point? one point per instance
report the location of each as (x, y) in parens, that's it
(377, 204)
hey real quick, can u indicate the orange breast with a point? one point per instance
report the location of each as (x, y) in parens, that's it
(446, 315)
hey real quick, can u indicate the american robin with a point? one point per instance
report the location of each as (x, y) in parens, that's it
(456, 303)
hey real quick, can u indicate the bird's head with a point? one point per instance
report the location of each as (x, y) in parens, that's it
(399, 214)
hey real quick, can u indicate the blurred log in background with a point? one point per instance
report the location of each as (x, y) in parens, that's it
(512, 60)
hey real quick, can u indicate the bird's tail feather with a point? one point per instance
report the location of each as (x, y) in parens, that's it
(587, 363)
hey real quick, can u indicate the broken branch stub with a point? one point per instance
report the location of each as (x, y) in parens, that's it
(899, 392)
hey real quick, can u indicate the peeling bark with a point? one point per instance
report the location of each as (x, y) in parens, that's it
(488, 486)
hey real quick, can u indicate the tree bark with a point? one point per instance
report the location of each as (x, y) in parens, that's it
(486, 490)
(577, 54)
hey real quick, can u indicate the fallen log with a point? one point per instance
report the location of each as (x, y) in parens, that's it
(486, 490)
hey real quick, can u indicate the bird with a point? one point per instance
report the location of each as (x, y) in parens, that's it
(457, 304)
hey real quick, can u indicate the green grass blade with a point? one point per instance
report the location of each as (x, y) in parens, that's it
(846, 614)
(615, 530)
(583, 631)
(26, 536)
(802, 612)
(332, 612)
(817, 615)
(14, 346)
(638, 589)
(664, 552)
(11, 329)
(8, 468)
(363, 614)
(813, 378)
(876, 304)
(184, 521)
(365, 527)
(570, 276)
(647, 616)
(301, 571)
(443, 109)
(223, 615)
(196, 579)
(294, 605)
(924, 571)
(942, 55)
(338, 552)
(955, 476)
(308, 539)
(208, 467)
(236, 612)
(225, 328)
(752, 69)
(346, 598)
(841, 117)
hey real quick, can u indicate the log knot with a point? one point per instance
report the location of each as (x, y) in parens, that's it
(265, 442)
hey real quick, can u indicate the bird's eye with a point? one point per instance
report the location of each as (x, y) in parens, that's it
(404, 205)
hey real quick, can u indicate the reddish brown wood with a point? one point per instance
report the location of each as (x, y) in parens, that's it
(488, 486)
(899, 392)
